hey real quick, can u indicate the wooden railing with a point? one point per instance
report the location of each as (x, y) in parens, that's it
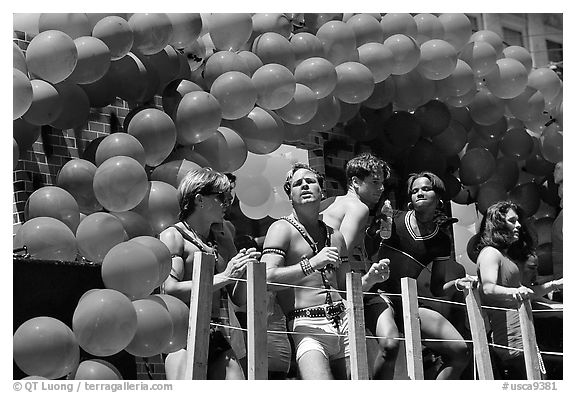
(199, 325)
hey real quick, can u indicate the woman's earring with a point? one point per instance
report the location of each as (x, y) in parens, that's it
(410, 206)
(440, 204)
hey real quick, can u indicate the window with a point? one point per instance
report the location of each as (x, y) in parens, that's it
(512, 37)
(555, 51)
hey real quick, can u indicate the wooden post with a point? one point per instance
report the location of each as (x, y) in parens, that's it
(412, 335)
(478, 330)
(200, 315)
(529, 341)
(356, 327)
(257, 321)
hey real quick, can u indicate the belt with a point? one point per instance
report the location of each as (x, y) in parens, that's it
(329, 311)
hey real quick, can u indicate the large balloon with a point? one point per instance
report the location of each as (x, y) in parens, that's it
(46, 103)
(262, 130)
(236, 94)
(253, 190)
(104, 322)
(172, 172)
(366, 29)
(457, 29)
(327, 114)
(301, 108)
(490, 193)
(18, 59)
(120, 183)
(506, 173)
(519, 53)
(153, 330)
(527, 196)
(179, 314)
(393, 23)
(338, 40)
(551, 144)
(277, 23)
(378, 59)
(116, 33)
(93, 60)
(546, 81)
(26, 22)
(156, 132)
(476, 166)
(354, 83)
(318, 74)
(120, 144)
(382, 96)
(162, 254)
(75, 25)
(221, 62)
(480, 56)
(45, 347)
(489, 37)
(76, 177)
(185, 29)
(160, 206)
(97, 369)
(438, 59)
(97, 234)
(508, 79)
(451, 140)
(460, 82)
(275, 85)
(229, 31)
(486, 108)
(412, 90)
(47, 238)
(516, 144)
(134, 224)
(272, 47)
(131, 268)
(528, 105)
(51, 56)
(197, 117)
(305, 46)
(21, 94)
(252, 61)
(428, 27)
(152, 32)
(173, 94)
(406, 53)
(50, 201)
(226, 149)
(434, 117)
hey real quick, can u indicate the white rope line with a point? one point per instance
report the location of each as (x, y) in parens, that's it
(522, 350)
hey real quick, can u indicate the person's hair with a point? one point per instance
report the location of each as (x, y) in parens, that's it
(494, 231)
(204, 181)
(364, 165)
(437, 183)
(295, 167)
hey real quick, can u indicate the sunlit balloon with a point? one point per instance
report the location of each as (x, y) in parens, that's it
(56, 202)
(156, 131)
(22, 94)
(327, 114)
(508, 79)
(519, 53)
(428, 27)
(236, 94)
(26, 22)
(172, 172)
(366, 29)
(378, 59)
(229, 31)
(253, 190)
(461, 101)
(74, 25)
(185, 29)
(546, 81)
(154, 329)
(47, 238)
(489, 37)
(226, 150)
(18, 59)
(438, 59)
(97, 234)
(398, 23)
(221, 62)
(338, 40)
(301, 108)
(152, 32)
(51, 56)
(406, 53)
(480, 56)
(160, 206)
(318, 74)
(93, 60)
(457, 29)
(97, 369)
(46, 347)
(116, 33)
(120, 144)
(412, 90)
(527, 105)
(252, 61)
(275, 85)
(305, 46)
(46, 103)
(272, 47)
(262, 130)
(179, 314)
(354, 82)
(492, 132)
(161, 252)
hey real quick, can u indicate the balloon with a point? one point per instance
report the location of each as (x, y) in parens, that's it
(423, 156)
(173, 94)
(492, 132)
(89, 153)
(301, 108)
(545, 80)
(434, 117)
(354, 83)
(452, 184)
(378, 58)
(480, 56)
(366, 29)
(253, 190)
(489, 37)
(277, 23)
(154, 329)
(406, 53)
(271, 47)
(130, 268)
(97, 234)
(46, 103)
(162, 254)
(457, 29)
(97, 369)
(51, 56)
(22, 94)
(451, 140)
(165, 64)
(506, 173)
(47, 238)
(186, 153)
(275, 85)
(318, 74)
(120, 144)
(516, 144)
(402, 129)
(438, 59)
(74, 25)
(75, 106)
(18, 59)
(104, 322)
(179, 313)
(338, 40)
(490, 193)
(102, 92)
(135, 82)
(152, 32)
(382, 96)
(226, 149)
(197, 117)
(398, 24)
(327, 114)
(229, 31)
(50, 201)
(486, 108)
(93, 60)
(252, 61)
(462, 116)
(281, 205)
(221, 62)
(236, 94)
(120, 183)
(160, 206)
(156, 131)
(519, 53)
(528, 105)
(276, 169)
(476, 166)
(305, 46)
(551, 143)
(412, 90)
(262, 130)
(527, 196)
(172, 172)
(295, 132)
(116, 33)
(471, 247)
(46, 347)
(465, 196)
(94, 18)
(25, 22)
(185, 29)
(134, 224)
(460, 82)
(508, 79)
(253, 164)
(257, 212)
(461, 101)
(428, 27)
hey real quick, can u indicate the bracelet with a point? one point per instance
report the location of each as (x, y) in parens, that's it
(456, 286)
(306, 266)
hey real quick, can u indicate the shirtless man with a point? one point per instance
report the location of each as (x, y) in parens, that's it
(301, 250)
(349, 213)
